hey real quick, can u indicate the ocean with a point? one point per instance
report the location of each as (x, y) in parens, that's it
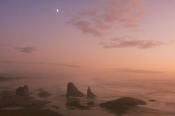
(158, 93)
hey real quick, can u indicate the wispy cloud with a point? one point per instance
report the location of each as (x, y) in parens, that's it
(125, 42)
(66, 65)
(113, 14)
(9, 62)
(26, 49)
(7, 78)
(137, 71)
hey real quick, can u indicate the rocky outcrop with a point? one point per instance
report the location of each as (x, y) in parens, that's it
(43, 93)
(73, 91)
(90, 94)
(122, 105)
(15, 105)
(22, 91)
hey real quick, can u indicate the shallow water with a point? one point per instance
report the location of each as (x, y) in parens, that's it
(161, 90)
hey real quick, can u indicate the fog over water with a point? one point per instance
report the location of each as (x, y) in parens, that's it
(161, 90)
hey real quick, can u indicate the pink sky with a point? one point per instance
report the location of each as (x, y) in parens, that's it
(129, 36)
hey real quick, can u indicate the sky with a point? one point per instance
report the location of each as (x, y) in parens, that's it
(132, 37)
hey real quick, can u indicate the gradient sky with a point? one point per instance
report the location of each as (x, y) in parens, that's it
(129, 36)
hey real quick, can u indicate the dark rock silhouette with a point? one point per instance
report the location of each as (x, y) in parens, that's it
(122, 105)
(73, 91)
(29, 112)
(22, 91)
(90, 94)
(152, 100)
(43, 93)
(26, 106)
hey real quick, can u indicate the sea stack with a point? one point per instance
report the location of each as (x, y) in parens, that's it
(22, 91)
(73, 91)
(90, 94)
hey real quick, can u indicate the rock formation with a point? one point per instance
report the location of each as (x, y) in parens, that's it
(122, 105)
(73, 91)
(22, 91)
(43, 93)
(90, 94)
(15, 105)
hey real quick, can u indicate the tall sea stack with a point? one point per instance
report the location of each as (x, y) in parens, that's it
(73, 91)
(90, 94)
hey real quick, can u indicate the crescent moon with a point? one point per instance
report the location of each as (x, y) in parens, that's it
(58, 11)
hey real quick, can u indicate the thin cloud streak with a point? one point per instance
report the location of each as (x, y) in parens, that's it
(7, 62)
(124, 43)
(40, 63)
(137, 71)
(26, 49)
(66, 65)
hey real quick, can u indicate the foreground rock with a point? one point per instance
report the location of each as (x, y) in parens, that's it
(9, 99)
(22, 91)
(73, 91)
(122, 105)
(29, 112)
(23, 105)
(90, 94)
